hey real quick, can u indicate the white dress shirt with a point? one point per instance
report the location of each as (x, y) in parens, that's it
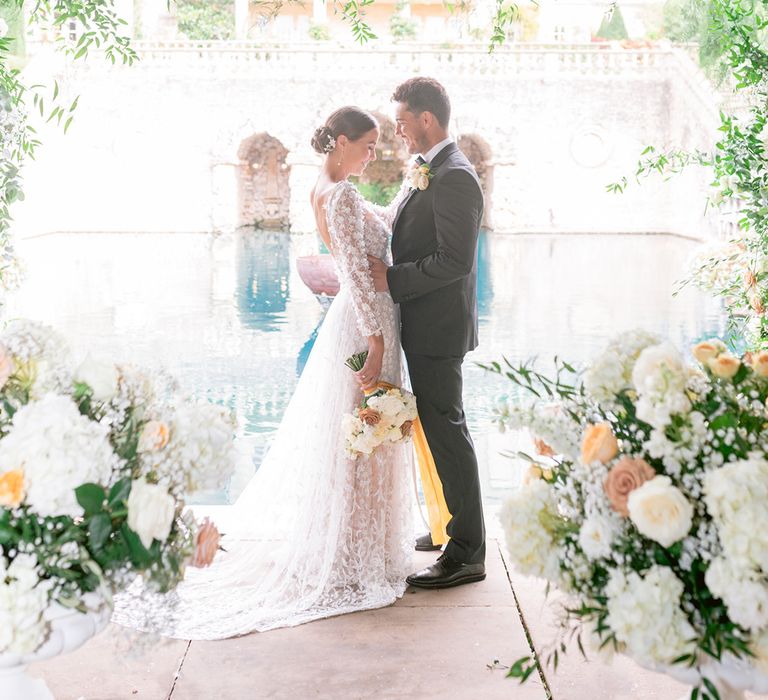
(432, 152)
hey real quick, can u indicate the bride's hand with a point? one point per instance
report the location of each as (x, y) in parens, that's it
(369, 374)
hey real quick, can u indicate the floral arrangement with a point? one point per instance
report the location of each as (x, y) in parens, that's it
(646, 502)
(385, 415)
(95, 462)
(418, 176)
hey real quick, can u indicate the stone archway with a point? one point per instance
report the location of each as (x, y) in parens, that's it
(391, 156)
(478, 152)
(263, 183)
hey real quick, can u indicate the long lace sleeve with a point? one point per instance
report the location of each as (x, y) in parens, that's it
(346, 225)
(387, 213)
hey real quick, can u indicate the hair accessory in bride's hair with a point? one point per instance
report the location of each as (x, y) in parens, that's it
(324, 142)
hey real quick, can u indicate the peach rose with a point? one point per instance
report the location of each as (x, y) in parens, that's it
(405, 428)
(542, 448)
(757, 304)
(7, 365)
(724, 365)
(12, 488)
(206, 544)
(533, 473)
(750, 279)
(623, 478)
(759, 362)
(707, 349)
(369, 416)
(154, 436)
(599, 444)
(536, 472)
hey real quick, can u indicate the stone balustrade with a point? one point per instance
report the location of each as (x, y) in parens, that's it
(524, 59)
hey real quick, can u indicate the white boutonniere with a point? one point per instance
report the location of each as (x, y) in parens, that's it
(418, 176)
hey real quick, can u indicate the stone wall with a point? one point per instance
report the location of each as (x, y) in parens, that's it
(158, 146)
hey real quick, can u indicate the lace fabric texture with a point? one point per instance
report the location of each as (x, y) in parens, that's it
(314, 534)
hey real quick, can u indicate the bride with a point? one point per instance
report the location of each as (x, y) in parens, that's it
(315, 533)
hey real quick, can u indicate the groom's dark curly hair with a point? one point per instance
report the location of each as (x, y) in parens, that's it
(424, 95)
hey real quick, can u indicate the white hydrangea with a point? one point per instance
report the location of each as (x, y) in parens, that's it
(200, 449)
(596, 536)
(611, 371)
(644, 613)
(44, 351)
(527, 517)
(660, 377)
(58, 450)
(736, 495)
(745, 597)
(23, 600)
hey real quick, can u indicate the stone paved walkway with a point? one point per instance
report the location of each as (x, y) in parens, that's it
(430, 644)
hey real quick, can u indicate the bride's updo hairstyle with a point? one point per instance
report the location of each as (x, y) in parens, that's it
(351, 122)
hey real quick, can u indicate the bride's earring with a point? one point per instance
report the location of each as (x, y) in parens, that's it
(341, 156)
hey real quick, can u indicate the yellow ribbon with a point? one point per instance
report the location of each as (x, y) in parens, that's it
(438, 514)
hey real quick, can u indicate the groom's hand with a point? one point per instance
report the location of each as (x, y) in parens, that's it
(379, 273)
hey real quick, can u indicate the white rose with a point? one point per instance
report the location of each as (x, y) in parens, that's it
(596, 536)
(102, 377)
(659, 369)
(660, 511)
(422, 181)
(150, 511)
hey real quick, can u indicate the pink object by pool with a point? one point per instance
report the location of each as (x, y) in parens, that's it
(319, 274)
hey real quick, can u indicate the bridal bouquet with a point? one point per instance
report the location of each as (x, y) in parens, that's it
(385, 415)
(95, 462)
(647, 504)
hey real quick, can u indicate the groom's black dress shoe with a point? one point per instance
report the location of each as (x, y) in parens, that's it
(424, 544)
(445, 573)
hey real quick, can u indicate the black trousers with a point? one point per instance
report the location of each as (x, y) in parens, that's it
(437, 384)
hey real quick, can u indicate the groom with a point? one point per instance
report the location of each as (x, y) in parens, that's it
(434, 279)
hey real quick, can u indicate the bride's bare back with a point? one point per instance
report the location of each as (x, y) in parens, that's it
(319, 197)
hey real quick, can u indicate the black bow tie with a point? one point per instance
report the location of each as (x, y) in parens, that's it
(420, 161)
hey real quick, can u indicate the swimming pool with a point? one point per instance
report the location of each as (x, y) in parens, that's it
(229, 316)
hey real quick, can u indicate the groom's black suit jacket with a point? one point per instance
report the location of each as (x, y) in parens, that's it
(434, 250)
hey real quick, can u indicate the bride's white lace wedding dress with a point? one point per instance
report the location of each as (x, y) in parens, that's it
(314, 534)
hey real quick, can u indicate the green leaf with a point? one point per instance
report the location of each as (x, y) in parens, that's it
(138, 552)
(91, 497)
(710, 686)
(99, 530)
(120, 491)
(8, 534)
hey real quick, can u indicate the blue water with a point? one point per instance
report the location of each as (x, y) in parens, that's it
(230, 317)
